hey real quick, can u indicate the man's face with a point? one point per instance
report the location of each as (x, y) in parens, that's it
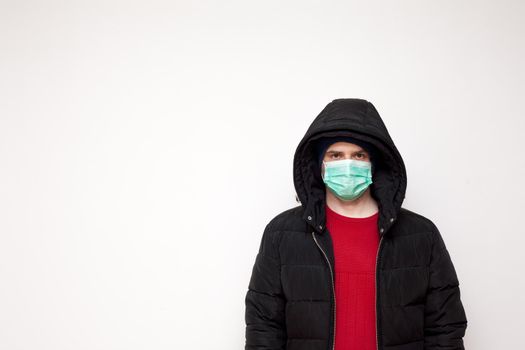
(345, 150)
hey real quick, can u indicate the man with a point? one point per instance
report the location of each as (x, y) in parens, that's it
(350, 268)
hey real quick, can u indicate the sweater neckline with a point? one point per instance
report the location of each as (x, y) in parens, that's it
(337, 216)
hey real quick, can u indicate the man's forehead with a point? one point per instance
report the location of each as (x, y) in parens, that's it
(342, 146)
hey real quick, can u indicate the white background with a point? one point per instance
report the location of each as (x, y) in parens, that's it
(144, 145)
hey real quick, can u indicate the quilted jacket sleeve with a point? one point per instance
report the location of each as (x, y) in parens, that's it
(265, 302)
(445, 319)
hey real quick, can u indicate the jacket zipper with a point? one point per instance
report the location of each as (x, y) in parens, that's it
(377, 299)
(333, 285)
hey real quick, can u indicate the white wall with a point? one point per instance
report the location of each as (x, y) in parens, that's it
(144, 145)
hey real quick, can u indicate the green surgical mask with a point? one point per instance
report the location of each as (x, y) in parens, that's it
(347, 179)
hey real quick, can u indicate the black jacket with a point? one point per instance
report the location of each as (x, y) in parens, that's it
(290, 301)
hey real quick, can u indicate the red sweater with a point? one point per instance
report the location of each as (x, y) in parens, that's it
(355, 242)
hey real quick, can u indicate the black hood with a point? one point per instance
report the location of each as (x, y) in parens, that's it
(356, 118)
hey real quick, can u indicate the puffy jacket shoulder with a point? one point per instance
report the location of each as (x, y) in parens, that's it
(419, 223)
(287, 220)
(414, 220)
